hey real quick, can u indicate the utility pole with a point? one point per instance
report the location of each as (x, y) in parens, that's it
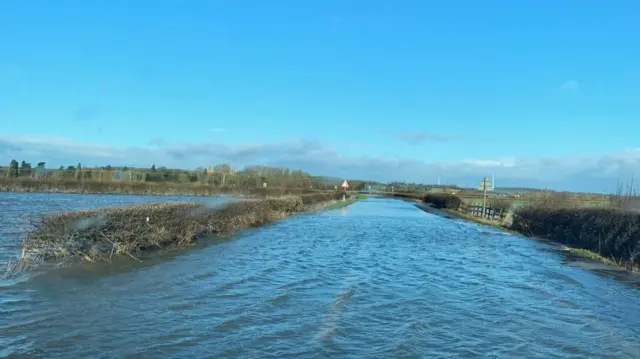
(484, 197)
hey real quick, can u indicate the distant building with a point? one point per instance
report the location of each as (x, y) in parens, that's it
(40, 171)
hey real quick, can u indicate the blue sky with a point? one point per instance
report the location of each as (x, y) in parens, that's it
(541, 93)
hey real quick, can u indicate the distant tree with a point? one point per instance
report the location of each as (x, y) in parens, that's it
(61, 168)
(71, 168)
(41, 164)
(108, 168)
(25, 165)
(222, 168)
(14, 169)
(125, 168)
(153, 168)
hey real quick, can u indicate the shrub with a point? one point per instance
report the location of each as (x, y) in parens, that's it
(99, 234)
(407, 195)
(500, 204)
(443, 201)
(611, 233)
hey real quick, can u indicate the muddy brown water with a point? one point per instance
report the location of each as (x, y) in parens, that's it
(378, 279)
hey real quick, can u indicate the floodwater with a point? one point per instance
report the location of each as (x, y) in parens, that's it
(378, 279)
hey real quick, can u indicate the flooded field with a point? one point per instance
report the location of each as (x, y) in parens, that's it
(379, 278)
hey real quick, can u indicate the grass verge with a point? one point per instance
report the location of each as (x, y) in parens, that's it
(584, 253)
(340, 204)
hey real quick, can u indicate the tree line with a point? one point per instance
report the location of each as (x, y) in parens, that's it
(221, 175)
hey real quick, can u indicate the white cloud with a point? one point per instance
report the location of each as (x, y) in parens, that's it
(587, 172)
(570, 85)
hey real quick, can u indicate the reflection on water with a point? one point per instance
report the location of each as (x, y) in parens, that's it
(379, 278)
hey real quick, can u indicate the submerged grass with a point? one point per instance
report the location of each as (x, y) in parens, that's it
(584, 253)
(100, 234)
(340, 204)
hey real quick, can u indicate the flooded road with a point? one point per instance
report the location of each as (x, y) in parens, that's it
(378, 279)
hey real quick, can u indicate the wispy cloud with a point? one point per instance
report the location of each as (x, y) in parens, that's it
(570, 85)
(584, 172)
(217, 130)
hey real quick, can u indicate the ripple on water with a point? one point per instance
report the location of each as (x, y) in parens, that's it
(377, 279)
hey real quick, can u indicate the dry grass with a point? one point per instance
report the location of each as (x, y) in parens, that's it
(100, 234)
(625, 197)
(134, 187)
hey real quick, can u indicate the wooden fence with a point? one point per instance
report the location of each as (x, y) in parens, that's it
(495, 214)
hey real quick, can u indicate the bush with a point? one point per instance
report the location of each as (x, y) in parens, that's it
(500, 204)
(99, 234)
(443, 201)
(611, 233)
(417, 196)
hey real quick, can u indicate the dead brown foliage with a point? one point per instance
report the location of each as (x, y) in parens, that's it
(100, 234)
(150, 188)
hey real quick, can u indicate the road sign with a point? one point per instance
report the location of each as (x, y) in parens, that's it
(345, 184)
(485, 184)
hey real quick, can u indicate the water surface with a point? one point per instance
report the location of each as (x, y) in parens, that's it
(378, 279)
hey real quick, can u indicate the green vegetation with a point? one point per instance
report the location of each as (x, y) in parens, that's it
(351, 198)
(98, 235)
(606, 232)
(340, 204)
(590, 255)
(443, 201)
(440, 201)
